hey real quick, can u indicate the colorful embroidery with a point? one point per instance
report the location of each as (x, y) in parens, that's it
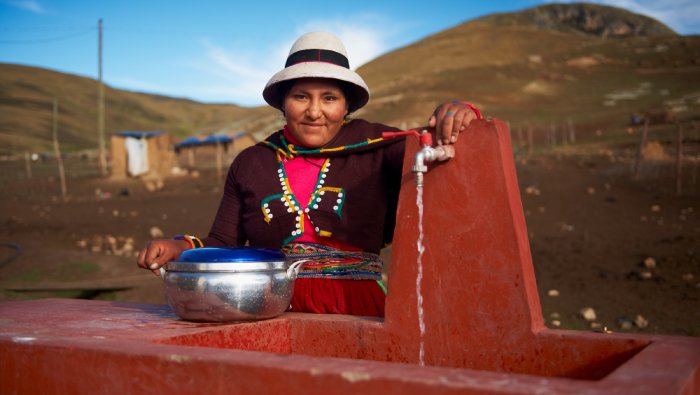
(328, 262)
(320, 191)
(289, 150)
(265, 206)
(338, 207)
(290, 202)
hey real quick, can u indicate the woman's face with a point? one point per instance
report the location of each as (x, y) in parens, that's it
(314, 109)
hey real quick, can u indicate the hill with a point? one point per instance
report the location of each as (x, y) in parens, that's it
(27, 93)
(521, 69)
(589, 19)
(582, 63)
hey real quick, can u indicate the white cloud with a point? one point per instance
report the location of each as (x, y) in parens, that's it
(215, 91)
(362, 40)
(235, 64)
(137, 85)
(29, 5)
(237, 74)
(680, 15)
(240, 73)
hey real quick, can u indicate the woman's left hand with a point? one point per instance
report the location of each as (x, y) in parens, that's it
(449, 119)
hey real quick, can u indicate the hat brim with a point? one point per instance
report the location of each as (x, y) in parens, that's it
(360, 95)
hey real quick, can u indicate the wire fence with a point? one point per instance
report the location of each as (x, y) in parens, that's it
(41, 166)
(661, 156)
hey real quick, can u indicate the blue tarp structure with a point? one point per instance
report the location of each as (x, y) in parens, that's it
(138, 135)
(239, 135)
(190, 141)
(209, 140)
(217, 139)
(215, 144)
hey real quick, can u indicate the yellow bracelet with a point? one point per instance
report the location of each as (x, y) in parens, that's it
(196, 242)
(186, 238)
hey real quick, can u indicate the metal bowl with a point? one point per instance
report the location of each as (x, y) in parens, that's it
(229, 284)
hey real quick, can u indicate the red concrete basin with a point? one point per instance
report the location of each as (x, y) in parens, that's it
(484, 331)
(585, 358)
(77, 346)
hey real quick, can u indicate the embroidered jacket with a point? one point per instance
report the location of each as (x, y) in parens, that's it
(359, 192)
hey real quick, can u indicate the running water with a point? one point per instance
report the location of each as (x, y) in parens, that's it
(419, 277)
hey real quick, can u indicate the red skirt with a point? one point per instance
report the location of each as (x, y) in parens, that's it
(325, 296)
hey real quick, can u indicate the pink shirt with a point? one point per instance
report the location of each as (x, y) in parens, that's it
(302, 174)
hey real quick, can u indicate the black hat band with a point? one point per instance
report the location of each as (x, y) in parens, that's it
(317, 55)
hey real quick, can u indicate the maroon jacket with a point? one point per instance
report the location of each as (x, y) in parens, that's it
(369, 175)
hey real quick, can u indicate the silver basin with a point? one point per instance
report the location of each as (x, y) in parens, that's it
(244, 286)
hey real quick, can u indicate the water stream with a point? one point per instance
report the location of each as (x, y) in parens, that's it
(419, 277)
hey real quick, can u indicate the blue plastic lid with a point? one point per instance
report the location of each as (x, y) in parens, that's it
(231, 254)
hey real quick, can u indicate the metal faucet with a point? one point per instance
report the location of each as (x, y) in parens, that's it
(426, 154)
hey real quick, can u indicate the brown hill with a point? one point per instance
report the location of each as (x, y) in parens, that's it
(545, 64)
(517, 70)
(27, 93)
(585, 18)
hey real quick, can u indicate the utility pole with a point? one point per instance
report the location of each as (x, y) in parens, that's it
(101, 105)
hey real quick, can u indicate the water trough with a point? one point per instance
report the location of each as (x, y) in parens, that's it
(483, 327)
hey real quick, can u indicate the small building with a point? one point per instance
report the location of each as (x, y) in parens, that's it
(141, 153)
(213, 146)
(242, 141)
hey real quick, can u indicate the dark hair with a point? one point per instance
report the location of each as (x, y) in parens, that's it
(285, 86)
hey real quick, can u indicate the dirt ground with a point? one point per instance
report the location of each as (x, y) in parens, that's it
(592, 231)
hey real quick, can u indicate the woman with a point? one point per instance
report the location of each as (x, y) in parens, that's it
(323, 187)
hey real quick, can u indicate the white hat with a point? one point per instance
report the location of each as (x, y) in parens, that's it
(318, 55)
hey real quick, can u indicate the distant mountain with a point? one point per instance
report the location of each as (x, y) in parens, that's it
(554, 63)
(27, 93)
(585, 18)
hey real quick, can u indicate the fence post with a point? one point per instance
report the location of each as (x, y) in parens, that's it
(521, 139)
(642, 144)
(28, 164)
(553, 134)
(572, 131)
(694, 177)
(679, 159)
(57, 149)
(190, 157)
(564, 137)
(219, 160)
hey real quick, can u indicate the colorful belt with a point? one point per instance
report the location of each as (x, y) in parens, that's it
(331, 263)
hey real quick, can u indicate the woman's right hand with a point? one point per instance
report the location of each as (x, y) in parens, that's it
(159, 252)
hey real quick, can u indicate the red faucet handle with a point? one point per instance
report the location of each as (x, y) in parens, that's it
(426, 139)
(411, 132)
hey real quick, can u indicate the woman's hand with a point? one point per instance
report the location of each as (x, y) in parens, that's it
(451, 118)
(159, 252)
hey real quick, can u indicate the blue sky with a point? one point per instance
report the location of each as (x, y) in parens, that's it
(224, 51)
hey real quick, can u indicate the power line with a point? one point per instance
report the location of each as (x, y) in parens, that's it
(46, 40)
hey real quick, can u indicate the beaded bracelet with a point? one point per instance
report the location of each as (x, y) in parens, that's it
(194, 241)
(473, 108)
